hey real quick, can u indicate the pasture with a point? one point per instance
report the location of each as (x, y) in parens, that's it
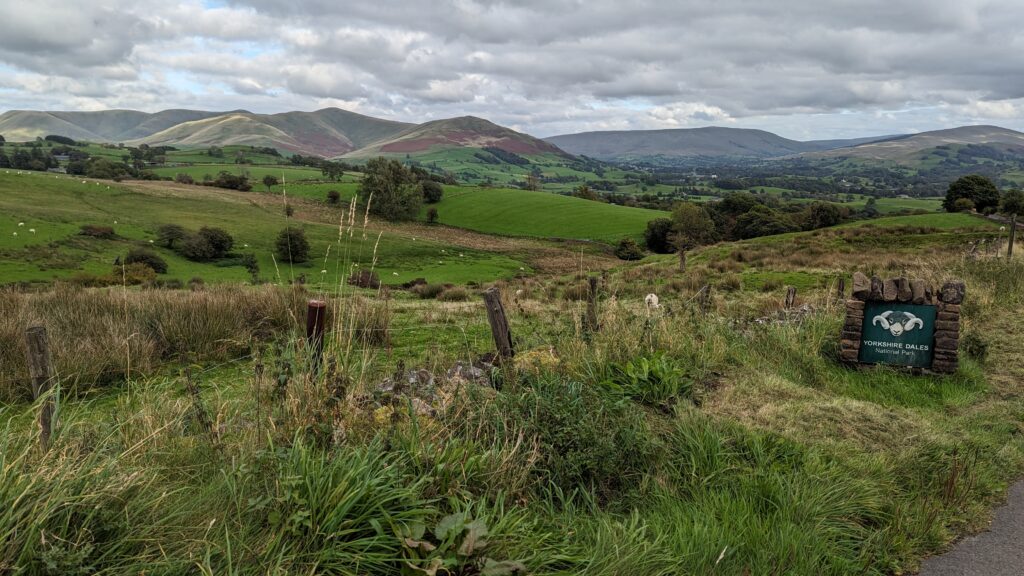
(539, 214)
(56, 207)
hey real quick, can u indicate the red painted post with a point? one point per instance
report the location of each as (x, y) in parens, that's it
(315, 313)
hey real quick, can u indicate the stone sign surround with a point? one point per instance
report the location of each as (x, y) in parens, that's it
(910, 324)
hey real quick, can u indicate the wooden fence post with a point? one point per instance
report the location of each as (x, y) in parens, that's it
(790, 297)
(705, 298)
(1013, 236)
(39, 370)
(198, 410)
(592, 324)
(499, 323)
(841, 289)
(315, 312)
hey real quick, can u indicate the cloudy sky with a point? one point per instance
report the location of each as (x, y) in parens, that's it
(801, 68)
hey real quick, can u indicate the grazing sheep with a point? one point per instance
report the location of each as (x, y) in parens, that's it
(652, 301)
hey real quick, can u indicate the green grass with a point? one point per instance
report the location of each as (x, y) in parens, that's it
(540, 214)
(255, 173)
(57, 207)
(942, 220)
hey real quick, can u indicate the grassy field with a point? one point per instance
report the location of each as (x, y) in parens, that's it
(673, 441)
(254, 172)
(56, 207)
(539, 214)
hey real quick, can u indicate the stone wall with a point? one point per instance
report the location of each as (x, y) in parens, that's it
(947, 324)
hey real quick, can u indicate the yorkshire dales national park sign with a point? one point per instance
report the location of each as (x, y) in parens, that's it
(902, 323)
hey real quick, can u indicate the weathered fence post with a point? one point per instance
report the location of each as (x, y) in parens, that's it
(39, 370)
(592, 324)
(705, 298)
(1013, 236)
(315, 312)
(499, 323)
(198, 410)
(790, 297)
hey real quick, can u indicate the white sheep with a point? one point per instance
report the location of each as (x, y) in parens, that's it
(652, 301)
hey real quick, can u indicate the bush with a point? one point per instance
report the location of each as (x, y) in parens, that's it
(432, 215)
(454, 294)
(364, 279)
(963, 205)
(628, 249)
(333, 197)
(94, 231)
(148, 258)
(220, 241)
(168, 235)
(196, 248)
(658, 234)
(432, 191)
(576, 292)
(291, 245)
(428, 291)
(182, 178)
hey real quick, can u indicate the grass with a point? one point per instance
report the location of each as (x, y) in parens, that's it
(670, 441)
(56, 206)
(540, 214)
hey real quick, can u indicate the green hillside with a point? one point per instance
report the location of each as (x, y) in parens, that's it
(55, 208)
(540, 214)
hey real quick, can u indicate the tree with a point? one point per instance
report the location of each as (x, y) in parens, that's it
(976, 188)
(332, 170)
(432, 191)
(628, 249)
(147, 258)
(871, 207)
(658, 236)
(390, 189)
(1013, 206)
(692, 226)
(333, 197)
(2, 140)
(823, 215)
(270, 181)
(220, 241)
(291, 245)
(586, 192)
(170, 235)
(196, 248)
(432, 215)
(761, 221)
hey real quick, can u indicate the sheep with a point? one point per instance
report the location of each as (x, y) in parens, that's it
(652, 301)
(897, 322)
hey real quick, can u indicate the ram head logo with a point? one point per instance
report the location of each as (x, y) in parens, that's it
(897, 322)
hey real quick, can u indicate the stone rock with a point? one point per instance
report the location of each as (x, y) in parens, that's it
(861, 286)
(948, 316)
(854, 305)
(929, 298)
(876, 288)
(889, 290)
(463, 372)
(917, 291)
(903, 291)
(951, 325)
(952, 292)
(952, 309)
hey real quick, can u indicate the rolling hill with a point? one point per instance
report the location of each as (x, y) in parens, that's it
(903, 149)
(454, 133)
(327, 132)
(712, 142)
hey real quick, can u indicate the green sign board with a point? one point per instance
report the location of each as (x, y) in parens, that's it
(900, 334)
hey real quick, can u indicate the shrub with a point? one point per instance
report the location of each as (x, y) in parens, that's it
(963, 205)
(148, 258)
(432, 215)
(95, 231)
(454, 294)
(974, 346)
(333, 197)
(196, 248)
(291, 245)
(578, 291)
(428, 291)
(220, 241)
(365, 279)
(182, 178)
(432, 191)
(168, 235)
(731, 283)
(658, 234)
(628, 249)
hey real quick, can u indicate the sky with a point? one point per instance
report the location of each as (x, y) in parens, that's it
(805, 69)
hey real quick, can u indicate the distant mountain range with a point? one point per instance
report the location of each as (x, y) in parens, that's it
(335, 133)
(713, 142)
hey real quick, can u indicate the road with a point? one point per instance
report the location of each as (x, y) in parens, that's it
(997, 552)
